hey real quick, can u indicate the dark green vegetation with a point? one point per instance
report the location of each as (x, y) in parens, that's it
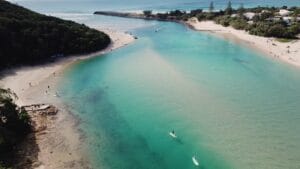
(266, 21)
(27, 37)
(14, 125)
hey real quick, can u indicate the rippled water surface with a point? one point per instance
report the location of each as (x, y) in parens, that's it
(230, 106)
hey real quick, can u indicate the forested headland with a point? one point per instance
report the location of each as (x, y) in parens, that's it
(27, 37)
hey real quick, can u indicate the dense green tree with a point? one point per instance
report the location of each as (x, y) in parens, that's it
(195, 12)
(228, 10)
(239, 23)
(29, 38)
(147, 13)
(294, 29)
(241, 10)
(14, 123)
(266, 15)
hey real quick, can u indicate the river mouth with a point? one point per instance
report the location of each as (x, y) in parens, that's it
(229, 107)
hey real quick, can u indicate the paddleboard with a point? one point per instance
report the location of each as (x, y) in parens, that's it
(195, 161)
(172, 135)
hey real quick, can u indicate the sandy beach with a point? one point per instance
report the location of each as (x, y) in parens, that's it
(286, 51)
(60, 144)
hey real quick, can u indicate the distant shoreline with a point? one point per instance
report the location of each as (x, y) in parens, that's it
(288, 52)
(60, 145)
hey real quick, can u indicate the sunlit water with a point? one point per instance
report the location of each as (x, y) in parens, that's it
(231, 107)
(89, 6)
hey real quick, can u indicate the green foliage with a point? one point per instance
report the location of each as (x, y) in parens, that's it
(195, 12)
(284, 40)
(296, 11)
(263, 23)
(2, 167)
(259, 28)
(241, 10)
(176, 13)
(271, 29)
(294, 28)
(235, 22)
(147, 13)
(228, 10)
(205, 16)
(260, 9)
(185, 17)
(162, 16)
(29, 38)
(263, 16)
(223, 20)
(14, 122)
(239, 23)
(173, 15)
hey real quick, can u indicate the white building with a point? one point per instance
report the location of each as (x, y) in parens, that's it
(249, 15)
(284, 12)
(287, 19)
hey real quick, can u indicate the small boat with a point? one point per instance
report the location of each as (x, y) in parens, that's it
(195, 161)
(172, 134)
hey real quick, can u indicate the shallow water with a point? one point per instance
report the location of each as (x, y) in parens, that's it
(229, 106)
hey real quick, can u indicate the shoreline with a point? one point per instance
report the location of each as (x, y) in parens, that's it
(36, 74)
(288, 52)
(60, 144)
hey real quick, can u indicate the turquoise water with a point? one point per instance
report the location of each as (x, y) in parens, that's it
(229, 106)
(89, 6)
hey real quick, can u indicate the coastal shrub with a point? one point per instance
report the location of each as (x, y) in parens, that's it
(162, 16)
(262, 24)
(176, 13)
(210, 16)
(195, 12)
(294, 29)
(262, 16)
(14, 123)
(223, 20)
(238, 23)
(229, 10)
(259, 28)
(201, 16)
(277, 30)
(266, 15)
(259, 9)
(147, 13)
(185, 17)
(29, 38)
